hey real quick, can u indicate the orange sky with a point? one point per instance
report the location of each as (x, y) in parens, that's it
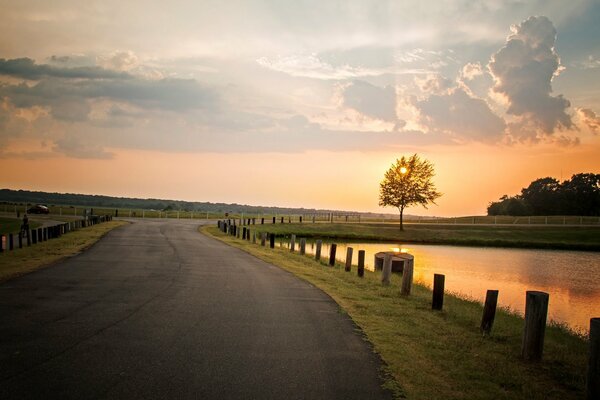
(469, 176)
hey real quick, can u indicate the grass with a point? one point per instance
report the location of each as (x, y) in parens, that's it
(439, 355)
(13, 225)
(21, 261)
(551, 237)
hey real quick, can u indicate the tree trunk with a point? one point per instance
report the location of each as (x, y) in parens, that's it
(401, 209)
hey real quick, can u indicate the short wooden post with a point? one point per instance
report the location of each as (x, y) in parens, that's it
(489, 311)
(386, 272)
(536, 312)
(248, 234)
(319, 243)
(40, 236)
(332, 250)
(244, 233)
(33, 236)
(348, 265)
(361, 263)
(262, 221)
(593, 372)
(263, 239)
(438, 291)
(273, 219)
(272, 240)
(254, 237)
(11, 242)
(302, 246)
(313, 219)
(239, 230)
(293, 243)
(301, 219)
(20, 240)
(282, 220)
(407, 278)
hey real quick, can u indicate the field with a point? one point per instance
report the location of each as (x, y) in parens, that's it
(545, 237)
(440, 354)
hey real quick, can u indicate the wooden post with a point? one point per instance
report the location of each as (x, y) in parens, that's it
(263, 239)
(386, 272)
(489, 311)
(407, 278)
(348, 265)
(301, 219)
(536, 311)
(293, 243)
(33, 236)
(273, 219)
(313, 219)
(302, 246)
(282, 220)
(319, 243)
(39, 233)
(361, 263)
(332, 250)
(20, 240)
(244, 233)
(11, 242)
(593, 372)
(438, 292)
(262, 221)
(254, 237)
(272, 240)
(28, 232)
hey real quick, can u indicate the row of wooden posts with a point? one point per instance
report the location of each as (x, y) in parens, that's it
(536, 303)
(39, 235)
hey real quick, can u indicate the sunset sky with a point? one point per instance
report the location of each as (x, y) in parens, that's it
(297, 103)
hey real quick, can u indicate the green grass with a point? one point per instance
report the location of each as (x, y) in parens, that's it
(13, 225)
(551, 237)
(21, 261)
(440, 355)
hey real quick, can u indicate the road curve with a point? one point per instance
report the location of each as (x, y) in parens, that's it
(157, 310)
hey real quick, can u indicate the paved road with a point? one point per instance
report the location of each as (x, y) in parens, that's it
(157, 310)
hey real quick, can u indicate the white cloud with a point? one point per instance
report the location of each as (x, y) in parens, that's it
(470, 71)
(590, 119)
(523, 70)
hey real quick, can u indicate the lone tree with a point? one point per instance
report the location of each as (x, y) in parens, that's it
(406, 183)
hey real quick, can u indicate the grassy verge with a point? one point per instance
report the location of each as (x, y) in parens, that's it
(21, 261)
(440, 355)
(555, 237)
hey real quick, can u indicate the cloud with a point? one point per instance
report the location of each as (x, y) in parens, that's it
(77, 146)
(523, 70)
(26, 68)
(434, 84)
(312, 66)
(370, 100)
(470, 71)
(590, 63)
(119, 61)
(590, 119)
(460, 115)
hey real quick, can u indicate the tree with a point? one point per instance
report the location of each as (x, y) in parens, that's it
(544, 196)
(406, 183)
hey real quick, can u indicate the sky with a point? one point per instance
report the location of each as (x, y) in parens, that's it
(297, 104)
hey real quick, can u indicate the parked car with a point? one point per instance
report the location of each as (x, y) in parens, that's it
(38, 209)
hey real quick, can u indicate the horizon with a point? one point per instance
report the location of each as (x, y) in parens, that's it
(297, 105)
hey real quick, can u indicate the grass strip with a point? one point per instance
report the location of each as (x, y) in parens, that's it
(439, 355)
(552, 237)
(21, 261)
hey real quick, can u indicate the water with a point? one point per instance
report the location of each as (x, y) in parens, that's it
(572, 278)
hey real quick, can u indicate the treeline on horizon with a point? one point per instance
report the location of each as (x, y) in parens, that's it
(100, 201)
(579, 195)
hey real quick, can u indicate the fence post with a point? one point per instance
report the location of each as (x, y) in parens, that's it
(386, 271)
(272, 240)
(263, 239)
(348, 265)
(407, 278)
(254, 237)
(20, 240)
(319, 243)
(489, 311)
(438, 292)
(536, 311)
(293, 243)
(361, 263)
(332, 250)
(302, 246)
(33, 236)
(11, 242)
(28, 231)
(593, 373)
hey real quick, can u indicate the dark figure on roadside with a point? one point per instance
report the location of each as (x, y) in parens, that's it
(25, 226)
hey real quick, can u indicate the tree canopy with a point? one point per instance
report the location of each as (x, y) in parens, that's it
(408, 182)
(579, 195)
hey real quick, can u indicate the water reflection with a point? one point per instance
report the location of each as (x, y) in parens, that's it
(572, 278)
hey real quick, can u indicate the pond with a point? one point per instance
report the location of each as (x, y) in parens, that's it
(572, 278)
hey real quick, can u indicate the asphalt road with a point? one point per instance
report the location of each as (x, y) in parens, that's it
(157, 310)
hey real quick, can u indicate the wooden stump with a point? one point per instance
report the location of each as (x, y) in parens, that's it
(438, 292)
(536, 312)
(489, 311)
(386, 271)
(348, 265)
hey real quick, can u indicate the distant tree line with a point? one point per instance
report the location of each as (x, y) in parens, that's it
(84, 200)
(579, 195)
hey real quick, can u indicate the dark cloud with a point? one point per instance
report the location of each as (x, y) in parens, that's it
(461, 115)
(26, 68)
(523, 70)
(371, 100)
